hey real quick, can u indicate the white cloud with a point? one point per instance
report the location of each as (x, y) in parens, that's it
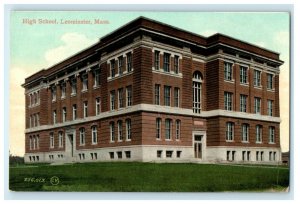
(72, 43)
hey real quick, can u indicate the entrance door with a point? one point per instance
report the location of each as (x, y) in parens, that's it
(70, 146)
(70, 136)
(198, 146)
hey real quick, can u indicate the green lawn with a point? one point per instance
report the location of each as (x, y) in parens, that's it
(147, 177)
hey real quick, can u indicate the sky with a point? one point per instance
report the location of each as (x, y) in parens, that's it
(37, 46)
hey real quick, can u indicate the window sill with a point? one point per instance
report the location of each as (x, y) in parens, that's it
(258, 142)
(73, 94)
(257, 87)
(229, 81)
(94, 143)
(62, 98)
(245, 142)
(128, 140)
(96, 86)
(244, 84)
(120, 140)
(168, 139)
(111, 141)
(272, 143)
(271, 90)
(53, 101)
(229, 140)
(85, 90)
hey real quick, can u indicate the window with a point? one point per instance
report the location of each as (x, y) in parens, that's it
(120, 130)
(51, 140)
(159, 153)
(257, 80)
(120, 97)
(229, 131)
(97, 78)
(84, 82)
(112, 100)
(128, 154)
(270, 81)
(34, 142)
(257, 155)
(129, 96)
(82, 136)
(60, 139)
(228, 155)
(176, 97)
(245, 132)
(274, 156)
(37, 141)
(270, 156)
(30, 100)
(166, 62)
(54, 117)
(85, 109)
(156, 60)
(129, 62)
(94, 135)
(261, 156)
(35, 99)
(64, 114)
(248, 155)
(112, 68)
(158, 128)
(178, 123)
(30, 142)
(228, 101)
(270, 107)
(243, 74)
(258, 133)
(178, 154)
(98, 106)
(243, 155)
(169, 154)
(63, 90)
(128, 129)
(233, 155)
(197, 85)
(37, 119)
(257, 105)
(112, 131)
(38, 97)
(74, 86)
(119, 155)
(271, 134)
(228, 71)
(53, 92)
(176, 64)
(167, 96)
(120, 65)
(243, 103)
(157, 94)
(74, 112)
(168, 124)
(111, 155)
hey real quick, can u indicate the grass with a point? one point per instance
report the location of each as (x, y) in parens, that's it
(148, 177)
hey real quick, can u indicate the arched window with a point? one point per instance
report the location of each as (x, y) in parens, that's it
(197, 86)
(82, 136)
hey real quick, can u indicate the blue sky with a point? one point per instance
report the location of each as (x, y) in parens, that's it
(40, 45)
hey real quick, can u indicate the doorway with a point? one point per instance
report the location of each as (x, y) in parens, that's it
(199, 144)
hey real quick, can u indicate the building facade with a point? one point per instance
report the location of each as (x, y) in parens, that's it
(152, 92)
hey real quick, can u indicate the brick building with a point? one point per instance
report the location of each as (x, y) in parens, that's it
(152, 92)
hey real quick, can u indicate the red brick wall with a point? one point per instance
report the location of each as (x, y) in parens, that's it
(216, 130)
